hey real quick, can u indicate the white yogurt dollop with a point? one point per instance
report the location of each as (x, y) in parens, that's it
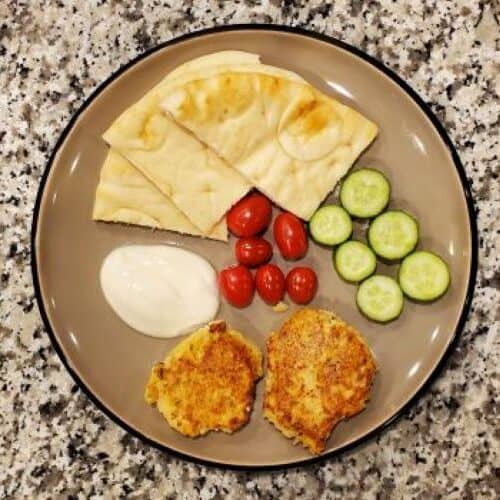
(160, 290)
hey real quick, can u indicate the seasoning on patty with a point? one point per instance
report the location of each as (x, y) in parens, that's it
(207, 382)
(320, 371)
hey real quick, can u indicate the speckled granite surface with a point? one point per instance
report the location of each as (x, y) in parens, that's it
(53, 441)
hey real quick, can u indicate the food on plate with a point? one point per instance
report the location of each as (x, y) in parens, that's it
(280, 307)
(237, 285)
(301, 284)
(253, 251)
(290, 236)
(200, 184)
(250, 216)
(424, 276)
(197, 181)
(207, 382)
(393, 234)
(181, 167)
(330, 225)
(289, 140)
(320, 371)
(160, 290)
(174, 80)
(125, 195)
(354, 261)
(214, 59)
(380, 298)
(365, 193)
(270, 284)
(193, 177)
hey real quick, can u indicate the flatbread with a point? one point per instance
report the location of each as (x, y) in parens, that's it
(198, 182)
(289, 140)
(214, 59)
(125, 195)
(174, 79)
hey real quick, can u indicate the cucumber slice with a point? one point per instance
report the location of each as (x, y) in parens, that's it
(330, 225)
(424, 276)
(365, 193)
(355, 261)
(393, 235)
(380, 298)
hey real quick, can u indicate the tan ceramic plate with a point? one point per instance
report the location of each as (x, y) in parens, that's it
(111, 361)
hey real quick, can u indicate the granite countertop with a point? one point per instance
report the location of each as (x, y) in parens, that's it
(54, 442)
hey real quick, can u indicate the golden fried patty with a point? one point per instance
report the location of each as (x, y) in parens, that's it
(207, 382)
(320, 371)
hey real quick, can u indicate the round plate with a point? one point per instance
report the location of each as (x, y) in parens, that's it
(112, 362)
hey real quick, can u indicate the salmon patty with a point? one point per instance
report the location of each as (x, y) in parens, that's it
(320, 371)
(207, 382)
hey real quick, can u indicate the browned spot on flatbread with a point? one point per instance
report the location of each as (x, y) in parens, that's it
(309, 118)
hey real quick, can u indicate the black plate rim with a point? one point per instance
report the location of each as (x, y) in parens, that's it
(465, 187)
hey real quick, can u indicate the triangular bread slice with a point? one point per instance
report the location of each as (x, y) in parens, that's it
(198, 181)
(201, 185)
(125, 195)
(223, 57)
(289, 140)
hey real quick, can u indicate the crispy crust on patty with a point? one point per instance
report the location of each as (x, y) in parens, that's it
(320, 371)
(207, 382)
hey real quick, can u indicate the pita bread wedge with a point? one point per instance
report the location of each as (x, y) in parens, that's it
(289, 140)
(125, 195)
(175, 79)
(214, 59)
(197, 181)
(201, 184)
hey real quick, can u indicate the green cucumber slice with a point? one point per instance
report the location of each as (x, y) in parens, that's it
(424, 276)
(393, 235)
(330, 225)
(380, 298)
(354, 261)
(365, 193)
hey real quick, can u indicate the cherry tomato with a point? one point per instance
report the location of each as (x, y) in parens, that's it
(237, 285)
(253, 251)
(301, 284)
(270, 283)
(250, 216)
(290, 235)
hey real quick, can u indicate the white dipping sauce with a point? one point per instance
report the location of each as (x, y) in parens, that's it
(159, 290)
